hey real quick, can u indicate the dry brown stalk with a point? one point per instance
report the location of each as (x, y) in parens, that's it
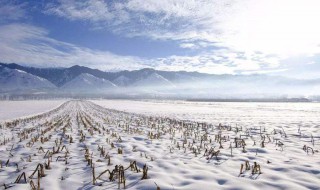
(256, 168)
(40, 149)
(47, 165)
(20, 176)
(247, 165)
(145, 172)
(39, 176)
(241, 169)
(122, 178)
(33, 187)
(93, 176)
(104, 173)
(158, 188)
(7, 163)
(307, 149)
(40, 169)
(109, 160)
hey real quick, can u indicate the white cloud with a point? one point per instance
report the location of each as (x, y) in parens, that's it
(188, 46)
(28, 44)
(91, 10)
(10, 11)
(166, 19)
(285, 28)
(232, 36)
(21, 43)
(221, 61)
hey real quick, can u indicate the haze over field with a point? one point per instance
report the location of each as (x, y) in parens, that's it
(149, 83)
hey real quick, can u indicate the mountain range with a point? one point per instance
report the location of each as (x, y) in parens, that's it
(15, 78)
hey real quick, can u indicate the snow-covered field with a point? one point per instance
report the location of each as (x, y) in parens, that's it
(15, 109)
(181, 143)
(293, 115)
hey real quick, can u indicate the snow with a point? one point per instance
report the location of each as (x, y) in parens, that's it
(171, 163)
(122, 81)
(87, 82)
(221, 112)
(20, 71)
(13, 79)
(154, 79)
(16, 109)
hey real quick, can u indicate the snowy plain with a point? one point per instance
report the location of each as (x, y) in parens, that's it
(247, 113)
(15, 109)
(177, 159)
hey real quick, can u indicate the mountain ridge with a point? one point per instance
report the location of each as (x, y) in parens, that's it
(59, 76)
(85, 82)
(15, 79)
(168, 83)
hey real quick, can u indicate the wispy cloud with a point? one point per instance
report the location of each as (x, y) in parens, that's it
(268, 26)
(167, 19)
(28, 44)
(31, 45)
(262, 33)
(10, 11)
(228, 36)
(92, 10)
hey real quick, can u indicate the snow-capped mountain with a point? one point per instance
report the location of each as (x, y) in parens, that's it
(88, 83)
(154, 80)
(13, 80)
(80, 79)
(122, 81)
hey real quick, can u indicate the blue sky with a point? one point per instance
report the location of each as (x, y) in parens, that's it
(221, 37)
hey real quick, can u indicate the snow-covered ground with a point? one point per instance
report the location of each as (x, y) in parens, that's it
(246, 113)
(15, 109)
(179, 154)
